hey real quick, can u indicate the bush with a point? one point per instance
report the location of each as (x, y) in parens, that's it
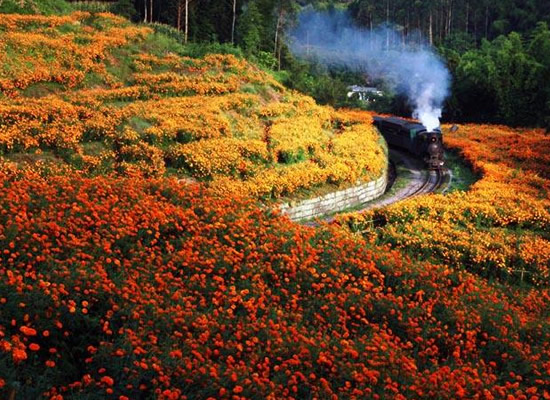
(47, 7)
(92, 6)
(199, 50)
(169, 31)
(194, 50)
(125, 8)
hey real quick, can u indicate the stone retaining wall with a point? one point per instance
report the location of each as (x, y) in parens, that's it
(335, 201)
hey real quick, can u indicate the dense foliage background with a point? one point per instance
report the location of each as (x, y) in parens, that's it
(498, 52)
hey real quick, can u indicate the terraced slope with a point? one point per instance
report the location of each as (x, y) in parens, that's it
(100, 95)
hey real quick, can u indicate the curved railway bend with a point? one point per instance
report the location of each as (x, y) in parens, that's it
(412, 179)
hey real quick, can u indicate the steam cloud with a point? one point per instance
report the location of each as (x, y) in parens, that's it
(409, 67)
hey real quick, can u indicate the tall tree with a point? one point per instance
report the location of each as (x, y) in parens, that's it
(539, 49)
(145, 11)
(250, 28)
(180, 7)
(233, 21)
(285, 11)
(186, 33)
(124, 8)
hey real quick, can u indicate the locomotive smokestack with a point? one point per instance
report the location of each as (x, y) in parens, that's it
(426, 111)
(409, 67)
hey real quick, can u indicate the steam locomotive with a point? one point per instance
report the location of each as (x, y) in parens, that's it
(413, 137)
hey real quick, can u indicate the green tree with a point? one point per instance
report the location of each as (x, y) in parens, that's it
(125, 8)
(516, 79)
(500, 80)
(249, 28)
(539, 49)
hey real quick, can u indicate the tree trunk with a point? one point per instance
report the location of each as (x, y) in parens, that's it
(408, 23)
(179, 10)
(279, 58)
(467, 16)
(387, 24)
(370, 21)
(431, 33)
(371, 44)
(145, 18)
(186, 21)
(442, 21)
(450, 17)
(475, 24)
(151, 11)
(486, 22)
(233, 22)
(277, 32)
(446, 26)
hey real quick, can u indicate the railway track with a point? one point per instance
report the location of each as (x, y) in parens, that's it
(420, 182)
(433, 183)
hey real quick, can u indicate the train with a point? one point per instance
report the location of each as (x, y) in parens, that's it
(414, 138)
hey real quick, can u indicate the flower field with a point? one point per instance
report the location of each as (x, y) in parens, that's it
(498, 229)
(118, 281)
(103, 96)
(127, 288)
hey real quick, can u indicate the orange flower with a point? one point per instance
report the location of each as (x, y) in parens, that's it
(34, 347)
(27, 331)
(238, 389)
(19, 355)
(107, 380)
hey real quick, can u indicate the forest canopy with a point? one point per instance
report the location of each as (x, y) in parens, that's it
(497, 52)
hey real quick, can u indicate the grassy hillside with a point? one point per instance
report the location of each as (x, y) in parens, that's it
(100, 95)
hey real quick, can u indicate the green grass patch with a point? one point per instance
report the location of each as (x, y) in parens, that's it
(199, 50)
(139, 124)
(159, 44)
(93, 79)
(42, 89)
(463, 175)
(46, 7)
(30, 157)
(120, 63)
(93, 148)
(402, 179)
(92, 6)
(68, 28)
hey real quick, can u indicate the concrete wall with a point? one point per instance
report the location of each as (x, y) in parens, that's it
(336, 201)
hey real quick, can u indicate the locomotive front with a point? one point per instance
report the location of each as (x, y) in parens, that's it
(434, 152)
(414, 138)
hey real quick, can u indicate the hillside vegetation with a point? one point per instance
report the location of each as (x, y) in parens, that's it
(119, 281)
(125, 288)
(46, 7)
(500, 228)
(100, 95)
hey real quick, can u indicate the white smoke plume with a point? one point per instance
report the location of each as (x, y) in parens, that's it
(407, 65)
